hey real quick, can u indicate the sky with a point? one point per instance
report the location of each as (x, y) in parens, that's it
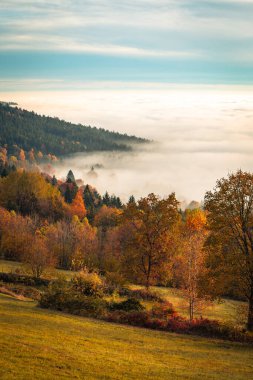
(179, 72)
(179, 41)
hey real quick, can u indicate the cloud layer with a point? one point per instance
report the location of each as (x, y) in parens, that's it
(201, 133)
(213, 33)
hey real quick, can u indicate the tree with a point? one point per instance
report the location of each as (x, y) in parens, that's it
(5, 219)
(16, 235)
(105, 220)
(230, 218)
(77, 206)
(40, 155)
(74, 243)
(38, 256)
(92, 201)
(30, 194)
(22, 155)
(54, 181)
(131, 199)
(106, 199)
(70, 177)
(31, 155)
(190, 264)
(69, 190)
(147, 244)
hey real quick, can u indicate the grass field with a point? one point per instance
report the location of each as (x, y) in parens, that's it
(42, 344)
(12, 266)
(228, 311)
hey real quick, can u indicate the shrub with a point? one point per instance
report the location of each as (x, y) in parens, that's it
(142, 294)
(163, 310)
(115, 278)
(88, 284)
(55, 295)
(137, 318)
(114, 281)
(131, 304)
(16, 278)
(61, 296)
(208, 328)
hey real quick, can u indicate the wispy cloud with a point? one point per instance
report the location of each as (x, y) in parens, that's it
(66, 44)
(209, 38)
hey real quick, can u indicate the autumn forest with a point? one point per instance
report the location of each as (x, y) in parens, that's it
(206, 252)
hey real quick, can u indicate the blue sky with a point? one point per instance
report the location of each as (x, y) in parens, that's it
(162, 41)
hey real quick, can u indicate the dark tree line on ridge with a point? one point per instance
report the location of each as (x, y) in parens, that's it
(28, 130)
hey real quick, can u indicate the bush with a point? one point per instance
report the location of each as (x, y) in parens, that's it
(142, 294)
(55, 295)
(180, 325)
(163, 310)
(88, 284)
(131, 304)
(61, 296)
(134, 318)
(16, 278)
(114, 281)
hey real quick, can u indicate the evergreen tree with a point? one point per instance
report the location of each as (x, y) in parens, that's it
(68, 195)
(98, 199)
(106, 199)
(54, 181)
(70, 177)
(89, 203)
(119, 204)
(131, 200)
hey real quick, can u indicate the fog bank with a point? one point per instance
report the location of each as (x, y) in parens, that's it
(201, 134)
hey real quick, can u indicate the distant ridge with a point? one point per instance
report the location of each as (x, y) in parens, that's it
(28, 130)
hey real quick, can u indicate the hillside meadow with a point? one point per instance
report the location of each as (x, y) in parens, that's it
(225, 310)
(42, 344)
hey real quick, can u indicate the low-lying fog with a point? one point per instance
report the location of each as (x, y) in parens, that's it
(200, 133)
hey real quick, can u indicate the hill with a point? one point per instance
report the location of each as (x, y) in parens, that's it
(42, 344)
(28, 130)
(225, 310)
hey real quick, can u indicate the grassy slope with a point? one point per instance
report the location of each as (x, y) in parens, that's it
(42, 344)
(226, 311)
(12, 266)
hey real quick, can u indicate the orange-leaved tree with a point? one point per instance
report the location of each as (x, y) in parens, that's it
(77, 206)
(230, 218)
(190, 264)
(147, 243)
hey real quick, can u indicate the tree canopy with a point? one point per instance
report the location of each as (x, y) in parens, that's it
(230, 218)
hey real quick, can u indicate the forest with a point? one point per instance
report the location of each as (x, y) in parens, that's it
(44, 135)
(207, 252)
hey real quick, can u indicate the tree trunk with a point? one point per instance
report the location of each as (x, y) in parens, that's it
(250, 314)
(191, 309)
(147, 282)
(148, 274)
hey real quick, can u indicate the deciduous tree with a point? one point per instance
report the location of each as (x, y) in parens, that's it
(77, 206)
(230, 217)
(190, 264)
(148, 239)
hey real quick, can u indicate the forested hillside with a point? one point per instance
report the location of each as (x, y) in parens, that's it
(27, 130)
